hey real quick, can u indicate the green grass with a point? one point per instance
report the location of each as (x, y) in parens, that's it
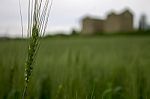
(78, 68)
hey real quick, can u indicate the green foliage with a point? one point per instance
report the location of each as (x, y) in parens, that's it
(78, 68)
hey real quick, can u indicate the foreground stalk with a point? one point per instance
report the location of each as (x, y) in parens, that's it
(38, 13)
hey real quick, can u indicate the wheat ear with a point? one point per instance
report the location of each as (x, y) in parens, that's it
(38, 13)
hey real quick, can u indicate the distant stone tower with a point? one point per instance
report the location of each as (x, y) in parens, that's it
(142, 23)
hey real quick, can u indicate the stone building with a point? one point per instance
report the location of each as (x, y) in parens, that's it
(91, 25)
(122, 22)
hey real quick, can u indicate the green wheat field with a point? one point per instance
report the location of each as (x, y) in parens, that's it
(113, 67)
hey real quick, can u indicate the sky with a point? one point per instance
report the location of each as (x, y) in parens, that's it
(67, 14)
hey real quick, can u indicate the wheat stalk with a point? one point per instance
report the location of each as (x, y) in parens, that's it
(38, 13)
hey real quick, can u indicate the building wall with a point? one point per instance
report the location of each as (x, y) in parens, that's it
(99, 27)
(91, 26)
(119, 23)
(112, 24)
(87, 26)
(126, 22)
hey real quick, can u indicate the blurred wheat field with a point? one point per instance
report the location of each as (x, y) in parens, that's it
(79, 68)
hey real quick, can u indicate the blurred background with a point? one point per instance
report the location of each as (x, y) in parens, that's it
(92, 50)
(67, 14)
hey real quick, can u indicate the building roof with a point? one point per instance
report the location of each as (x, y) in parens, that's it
(91, 18)
(126, 11)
